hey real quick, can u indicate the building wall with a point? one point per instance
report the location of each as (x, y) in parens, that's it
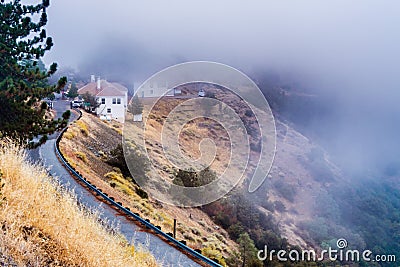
(117, 110)
(152, 90)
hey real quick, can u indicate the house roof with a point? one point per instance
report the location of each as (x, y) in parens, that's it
(106, 89)
(111, 91)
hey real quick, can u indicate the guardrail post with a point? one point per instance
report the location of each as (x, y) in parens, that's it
(174, 228)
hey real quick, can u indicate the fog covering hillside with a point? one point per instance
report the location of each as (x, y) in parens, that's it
(328, 69)
(364, 198)
(338, 179)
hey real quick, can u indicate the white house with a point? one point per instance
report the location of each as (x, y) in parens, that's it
(154, 89)
(112, 97)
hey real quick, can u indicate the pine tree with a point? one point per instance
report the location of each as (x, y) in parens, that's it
(248, 251)
(91, 100)
(23, 82)
(136, 107)
(73, 91)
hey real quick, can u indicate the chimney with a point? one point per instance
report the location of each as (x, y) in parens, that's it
(92, 78)
(98, 83)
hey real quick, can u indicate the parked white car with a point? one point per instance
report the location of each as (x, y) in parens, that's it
(202, 93)
(76, 104)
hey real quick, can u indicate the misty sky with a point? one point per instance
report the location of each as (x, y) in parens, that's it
(349, 49)
(314, 37)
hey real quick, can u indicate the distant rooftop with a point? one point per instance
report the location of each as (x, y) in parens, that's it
(106, 89)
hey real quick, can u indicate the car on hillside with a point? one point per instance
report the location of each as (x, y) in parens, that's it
(202, 93)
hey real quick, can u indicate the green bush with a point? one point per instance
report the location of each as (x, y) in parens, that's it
(66, 115)
(285, 190)
(190, 178)
(141, 193)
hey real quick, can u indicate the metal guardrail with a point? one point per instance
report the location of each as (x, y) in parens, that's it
(127, 211)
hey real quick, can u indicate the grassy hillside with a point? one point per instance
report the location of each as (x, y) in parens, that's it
(42, 224)
(91, 146)
(287, 211)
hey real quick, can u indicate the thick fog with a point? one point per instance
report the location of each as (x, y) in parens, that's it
(346, 51)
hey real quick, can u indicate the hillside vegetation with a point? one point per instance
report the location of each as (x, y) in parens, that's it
(43, 225)
(93, 147)
(296, 207)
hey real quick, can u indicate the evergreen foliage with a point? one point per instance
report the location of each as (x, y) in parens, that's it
(73, 91)
(23, 78)
(136, 107)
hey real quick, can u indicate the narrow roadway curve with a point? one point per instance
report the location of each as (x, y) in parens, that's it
(165, 254)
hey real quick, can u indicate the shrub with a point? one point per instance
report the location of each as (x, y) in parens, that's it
(115, 176)
(117, 160)
(212, 253)
(69, 135)
(127, 189)
(117, 170)
(190, 178)
(137, 159)
(66, 115)
(195, 231)
(279, 206)
(81, 156)
(256, 147)
(119, 131)
(188, 237)
(83, 127)
(285, 190)
(249, 113)
(141, 193)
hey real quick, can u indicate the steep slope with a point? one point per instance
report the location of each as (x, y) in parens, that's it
(300, 174)
(90, 146)
(297, 185)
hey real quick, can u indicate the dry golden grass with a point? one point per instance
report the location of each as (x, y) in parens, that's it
(83, 127)
(81, 156)
(69, 135)
(42, 224)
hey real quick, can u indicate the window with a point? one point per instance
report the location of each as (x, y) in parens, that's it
(103, 101)
(116, 101)
(151, 92)
(109, 110)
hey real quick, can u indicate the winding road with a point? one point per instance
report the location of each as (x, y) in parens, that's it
(165, 254)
